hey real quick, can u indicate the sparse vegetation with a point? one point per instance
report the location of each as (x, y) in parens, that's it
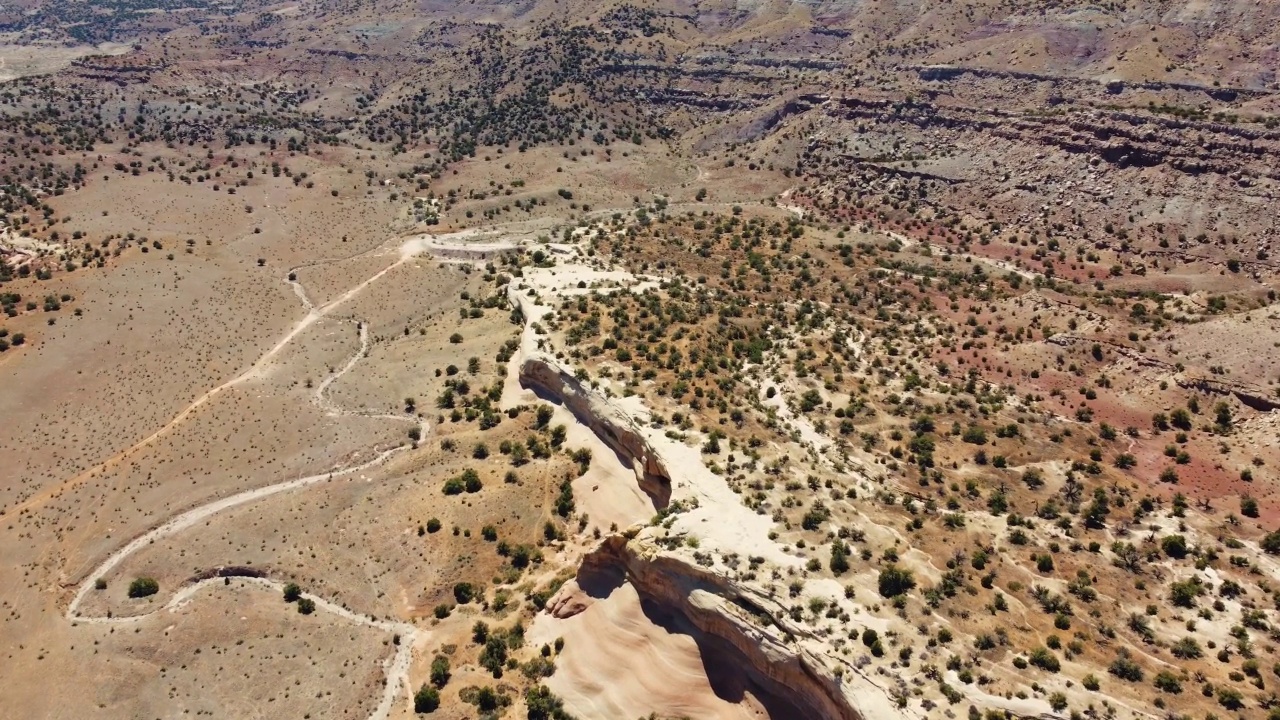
(1030, 400)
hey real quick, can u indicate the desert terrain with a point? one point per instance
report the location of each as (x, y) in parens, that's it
(555, 359)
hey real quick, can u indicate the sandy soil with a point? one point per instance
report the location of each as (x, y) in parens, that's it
(196, 660)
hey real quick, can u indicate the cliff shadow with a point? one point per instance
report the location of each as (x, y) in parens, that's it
(728, 670)
(599, 581)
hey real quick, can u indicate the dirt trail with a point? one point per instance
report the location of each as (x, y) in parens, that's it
(334, 410)
(254, 371)
(396, 667)
(798, 211)
(192, 517)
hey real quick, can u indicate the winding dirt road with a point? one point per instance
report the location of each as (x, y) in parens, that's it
(396, 667)
(254, 371)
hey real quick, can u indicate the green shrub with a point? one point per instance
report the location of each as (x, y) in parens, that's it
(1044, 563)
(1248, 507)
(1184, 593)
(1166, 681)
(1187, 649)
(1230, 698)
(1126, 669)
(1175, 546)
(895, 581)
(1271, 543)
(1044, 659)
(440, 671)
(426, 700)
(543, 705)
(142, 587)
(839, 557)
(464, 592)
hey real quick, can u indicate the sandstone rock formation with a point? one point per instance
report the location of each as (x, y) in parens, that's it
(548, 377)
(747, 625)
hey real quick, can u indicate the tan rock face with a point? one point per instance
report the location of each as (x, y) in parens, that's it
(549, 378)
(568, 601)
(745, 627)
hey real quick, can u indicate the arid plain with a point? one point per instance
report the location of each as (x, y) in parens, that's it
(604, 360)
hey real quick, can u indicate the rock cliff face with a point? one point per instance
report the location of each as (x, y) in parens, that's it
(944, 73)
(739, 625)
(1118, 138)
(1253, 397)
(547, 377)
(744, 627)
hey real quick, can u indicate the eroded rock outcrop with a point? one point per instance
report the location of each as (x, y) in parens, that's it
(748, 628)
(1252, 397)
(1120, 138)
(545, 375)
(745, 627)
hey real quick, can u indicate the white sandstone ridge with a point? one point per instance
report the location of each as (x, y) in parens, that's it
(546, 376)
(667, 469)
(685, 568)
(781, 658)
